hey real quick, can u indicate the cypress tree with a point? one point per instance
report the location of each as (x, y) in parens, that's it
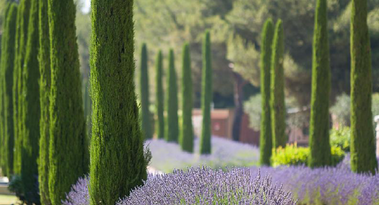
(21, 41)
(160, 126)
(172, 133)
(362, 136)
(30, 109)
(118, 163)
(320, 151)
(206, 96)
(144, 85)
(186, 136)
(265, 134)
(44, 89)
(7, 65)
(67, 146)
(278, 108)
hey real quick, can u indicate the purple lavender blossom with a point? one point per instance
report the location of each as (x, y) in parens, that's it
(79, 194)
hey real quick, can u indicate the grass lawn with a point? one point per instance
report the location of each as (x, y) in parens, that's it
(7, 199)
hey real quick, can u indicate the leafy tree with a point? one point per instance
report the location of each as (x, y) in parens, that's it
(277, 104)
(144, 82)
(206, 97)
(159, 99)
(362, 148)
(266, 131)
(68, 145)
(187, 136)
(118, 163)
(172, 130)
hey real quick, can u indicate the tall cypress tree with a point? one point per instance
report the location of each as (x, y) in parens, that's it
(206, 96)
(186, 136)
(21, 41)
(172, 133)
(266, 52)
(319, 124)
(31, 109)
(362, 136)
(278, 108)
(7, 66)
(44, 89)
(144, 85)
(67, 146)
(160, 124)
(117, 158)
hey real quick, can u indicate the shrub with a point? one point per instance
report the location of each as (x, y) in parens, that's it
(340, 138)
(17, 186)
(341, 109)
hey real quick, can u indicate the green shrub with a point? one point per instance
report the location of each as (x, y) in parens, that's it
(340, 138)
(341, 110)
(337, 155)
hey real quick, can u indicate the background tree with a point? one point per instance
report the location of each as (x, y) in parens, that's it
(172, 130)
(44, 89)
(319, 124)
(362, 136)
(187, 136)
(277, 102)
(68, 148)
(145, 104)
(117, 140)
(206, 96)
(266, 131)
(159, 99)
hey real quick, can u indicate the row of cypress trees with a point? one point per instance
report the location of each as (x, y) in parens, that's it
(272, 90)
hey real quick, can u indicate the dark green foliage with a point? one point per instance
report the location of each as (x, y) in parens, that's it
(266, 131)
(118, 163)
(87, 106)
(68, 158)
(319, 123)
(186, 135)
(278, 108)
(7, 65)
(206, 96)
(160, 124)
(44, 89)
(30, 109)
(172, 130)
(21, 41)
(362, 136)
(144, 86)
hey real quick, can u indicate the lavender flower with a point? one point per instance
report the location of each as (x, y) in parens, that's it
(79, 194)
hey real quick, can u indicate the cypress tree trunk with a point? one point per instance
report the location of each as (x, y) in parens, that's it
(21, 40)
(363, 157)
(172, 133)
(278, 108)
(68, 146)
(265, 134)
(160, 126)
(118, 163)
(31, 109)
(186, 137)
(206, 98)
(7, 66)
(44, 89)
(319, 124)
(144, 85)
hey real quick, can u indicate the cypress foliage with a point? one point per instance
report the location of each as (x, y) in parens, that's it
(172, 133)
(266, 131)
(67, 146)
(7, 66)
(160, 126)
(118, 163)
(144, 85)
(21, 41)
(44, 89)
(186, 136)
(30, 109)
(206, 97)
(278, 108)
(362, 136)
(319, 123)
